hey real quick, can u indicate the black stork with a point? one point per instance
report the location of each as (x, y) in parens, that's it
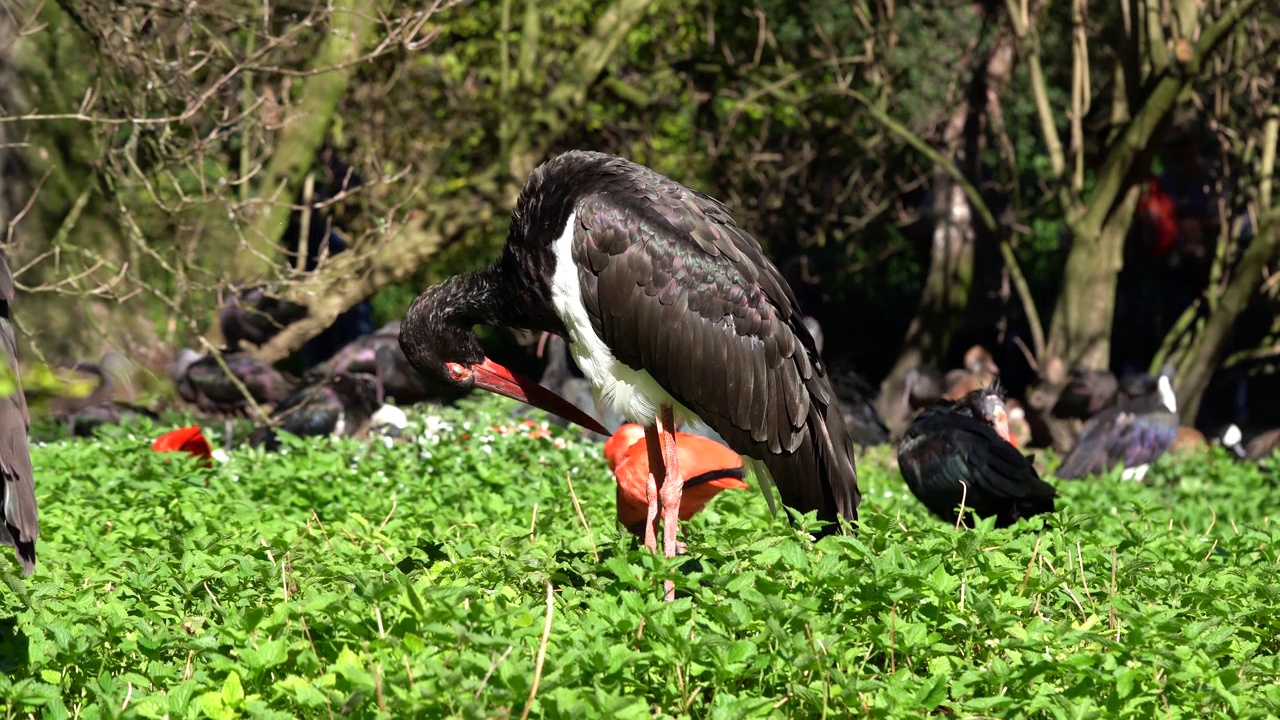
(671, 311)
(1134, 432)
(958, 452)
(17, 481)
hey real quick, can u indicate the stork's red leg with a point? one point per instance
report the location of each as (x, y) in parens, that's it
(654, 481)
(672, 488)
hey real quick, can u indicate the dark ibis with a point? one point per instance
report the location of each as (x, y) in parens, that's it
(708, 467)
(1088, 392)
(378, 355)
(958, 452)
(202, 381)
(21, 525)
(1138, 429)
(671, 311)
(342, 405)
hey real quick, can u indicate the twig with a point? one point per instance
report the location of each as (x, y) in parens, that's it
(542, 652)
(582, 518)
(492, 667)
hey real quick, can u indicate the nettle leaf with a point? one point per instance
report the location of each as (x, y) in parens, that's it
(299, 583)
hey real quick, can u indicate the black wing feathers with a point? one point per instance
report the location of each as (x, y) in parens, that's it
(947, 459)
(19, 525)
(673, 285)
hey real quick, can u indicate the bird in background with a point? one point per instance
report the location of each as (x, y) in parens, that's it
(671, 311)
(960, 452)
(21, 524)
(708, 466)
(1134, 432)
(979, 371)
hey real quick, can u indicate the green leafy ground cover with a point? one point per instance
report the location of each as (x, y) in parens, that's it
(350, 579)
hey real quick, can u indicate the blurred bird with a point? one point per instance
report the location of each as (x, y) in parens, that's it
(855, 396)
(343, 406)
(1019, 428)
(922, 387)
(959, 452)
(21, 526)
(255, 316)
(979, 371)
(708, 468)
(203, 382)
(106, 404)
(563, 377)
(1260, 447)
(378, 354)
(1134, 432)
(1088, 392)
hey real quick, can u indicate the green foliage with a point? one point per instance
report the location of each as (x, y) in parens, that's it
(351, 578)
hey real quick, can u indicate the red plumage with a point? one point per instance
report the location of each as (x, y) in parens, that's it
(1159, 215)
(189, 440)
(628, 457)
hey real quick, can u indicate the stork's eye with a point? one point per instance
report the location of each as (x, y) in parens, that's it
(457, 372)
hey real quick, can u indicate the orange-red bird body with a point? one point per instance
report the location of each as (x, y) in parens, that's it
(189, 440)
(708, 467)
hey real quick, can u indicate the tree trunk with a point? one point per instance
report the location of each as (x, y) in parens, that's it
(943, 300)
(1081, 328)
(948, 286)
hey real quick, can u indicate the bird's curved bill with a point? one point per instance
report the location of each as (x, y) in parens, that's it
(497, 379)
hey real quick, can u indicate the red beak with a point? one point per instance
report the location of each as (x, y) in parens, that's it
(497, 379)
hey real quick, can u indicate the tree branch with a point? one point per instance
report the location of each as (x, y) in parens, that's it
(1029, 47)
(1137, 134)
(297, 143)
(918, 144)
(348, 278)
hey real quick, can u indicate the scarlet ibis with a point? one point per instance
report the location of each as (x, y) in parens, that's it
(959, 451)
(671, 311)
(189, 440)
(1134, 432)
(17, 482)
(708, 466)
(1088, 392)
(342, 405)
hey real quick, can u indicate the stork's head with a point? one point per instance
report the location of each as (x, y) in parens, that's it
(439, 339)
